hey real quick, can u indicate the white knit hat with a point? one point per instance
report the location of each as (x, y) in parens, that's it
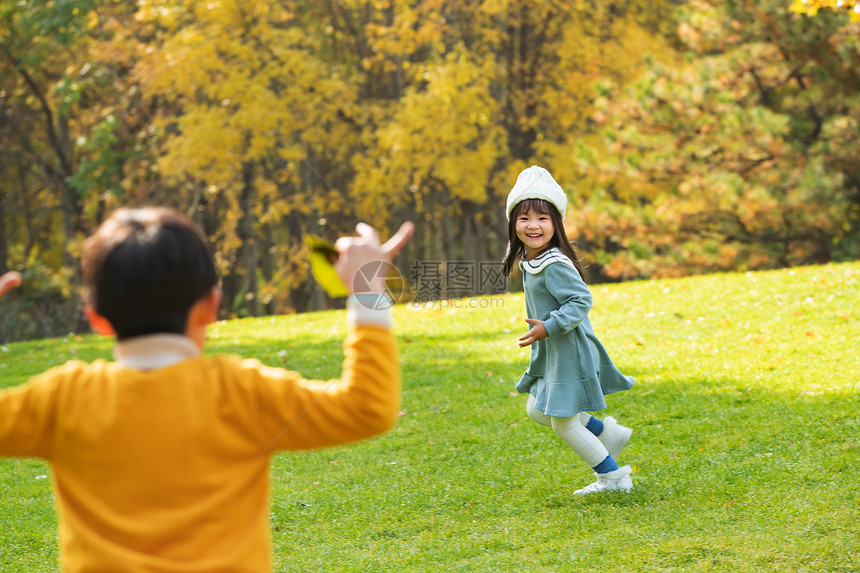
(536, 183)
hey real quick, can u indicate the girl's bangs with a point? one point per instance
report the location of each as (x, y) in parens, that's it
(537, 205)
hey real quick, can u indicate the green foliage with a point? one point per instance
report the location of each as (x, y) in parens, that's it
(43, 26)
(733, 146)
(45, 302)
(102, 166)
(745, 416)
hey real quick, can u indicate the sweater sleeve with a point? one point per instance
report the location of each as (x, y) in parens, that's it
(574, 299)
(297, 413)
(26, 417)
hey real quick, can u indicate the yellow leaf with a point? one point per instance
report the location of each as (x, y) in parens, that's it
(322, 256)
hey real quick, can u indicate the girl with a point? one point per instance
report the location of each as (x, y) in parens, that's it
(570, 370)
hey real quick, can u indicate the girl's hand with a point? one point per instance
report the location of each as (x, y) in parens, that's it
(535, 333)
(9, 281)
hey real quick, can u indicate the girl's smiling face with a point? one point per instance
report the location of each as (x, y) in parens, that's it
(535, 231)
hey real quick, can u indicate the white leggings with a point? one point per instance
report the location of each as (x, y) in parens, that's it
(572, 431)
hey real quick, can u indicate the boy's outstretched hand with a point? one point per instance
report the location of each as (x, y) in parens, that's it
(9, 281)
(363, 260)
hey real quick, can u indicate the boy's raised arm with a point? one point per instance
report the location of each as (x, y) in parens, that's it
(366, 399)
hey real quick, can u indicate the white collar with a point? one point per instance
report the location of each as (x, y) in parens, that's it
(539, 263)
(154, 351)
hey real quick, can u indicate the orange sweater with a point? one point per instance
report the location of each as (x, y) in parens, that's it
(167, 470)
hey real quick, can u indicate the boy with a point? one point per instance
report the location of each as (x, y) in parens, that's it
(161, 459)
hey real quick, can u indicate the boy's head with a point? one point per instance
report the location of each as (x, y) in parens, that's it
(143, 270)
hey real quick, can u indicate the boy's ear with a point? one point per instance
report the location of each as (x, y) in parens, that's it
(205, 311)
(100, 324)
(215, 302)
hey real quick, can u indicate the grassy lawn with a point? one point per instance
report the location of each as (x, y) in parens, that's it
(746, 417)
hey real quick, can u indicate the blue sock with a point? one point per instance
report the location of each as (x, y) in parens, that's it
(606, 466)
(595, 426)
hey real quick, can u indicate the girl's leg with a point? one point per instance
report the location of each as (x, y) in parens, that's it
(592, 423)
(571, 432)
(613, 435)
(536, 414)
(585, 444)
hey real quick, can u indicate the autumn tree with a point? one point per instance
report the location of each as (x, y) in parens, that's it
(691, 136)
(736, 157)
(485, 89)
(39, 96)
(250, 132)
(62, 108)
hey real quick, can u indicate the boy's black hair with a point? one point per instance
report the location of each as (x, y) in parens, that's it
(559, 240)
(143, 270)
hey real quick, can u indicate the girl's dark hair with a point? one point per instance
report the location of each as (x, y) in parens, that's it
(516, 248)
(143, 270)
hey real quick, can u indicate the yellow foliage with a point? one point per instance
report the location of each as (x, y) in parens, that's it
(442, 135)
(811, 7)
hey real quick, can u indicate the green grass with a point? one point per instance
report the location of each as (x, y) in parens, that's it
(746, 438)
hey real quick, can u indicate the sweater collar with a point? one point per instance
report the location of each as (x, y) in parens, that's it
(540, 262)
(154, 351)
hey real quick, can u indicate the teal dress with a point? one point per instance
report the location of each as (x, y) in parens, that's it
(570, 370)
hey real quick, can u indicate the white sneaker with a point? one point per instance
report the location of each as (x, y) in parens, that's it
(619, 480)
(614, 436)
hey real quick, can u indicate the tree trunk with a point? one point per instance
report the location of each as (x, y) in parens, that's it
(447, 229)
(247, 234)
(4, 249)
(301, 295)
(267, 259)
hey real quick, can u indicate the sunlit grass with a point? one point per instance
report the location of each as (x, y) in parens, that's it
(746, 418)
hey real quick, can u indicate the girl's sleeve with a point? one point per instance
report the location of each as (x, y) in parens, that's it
(574, 299)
